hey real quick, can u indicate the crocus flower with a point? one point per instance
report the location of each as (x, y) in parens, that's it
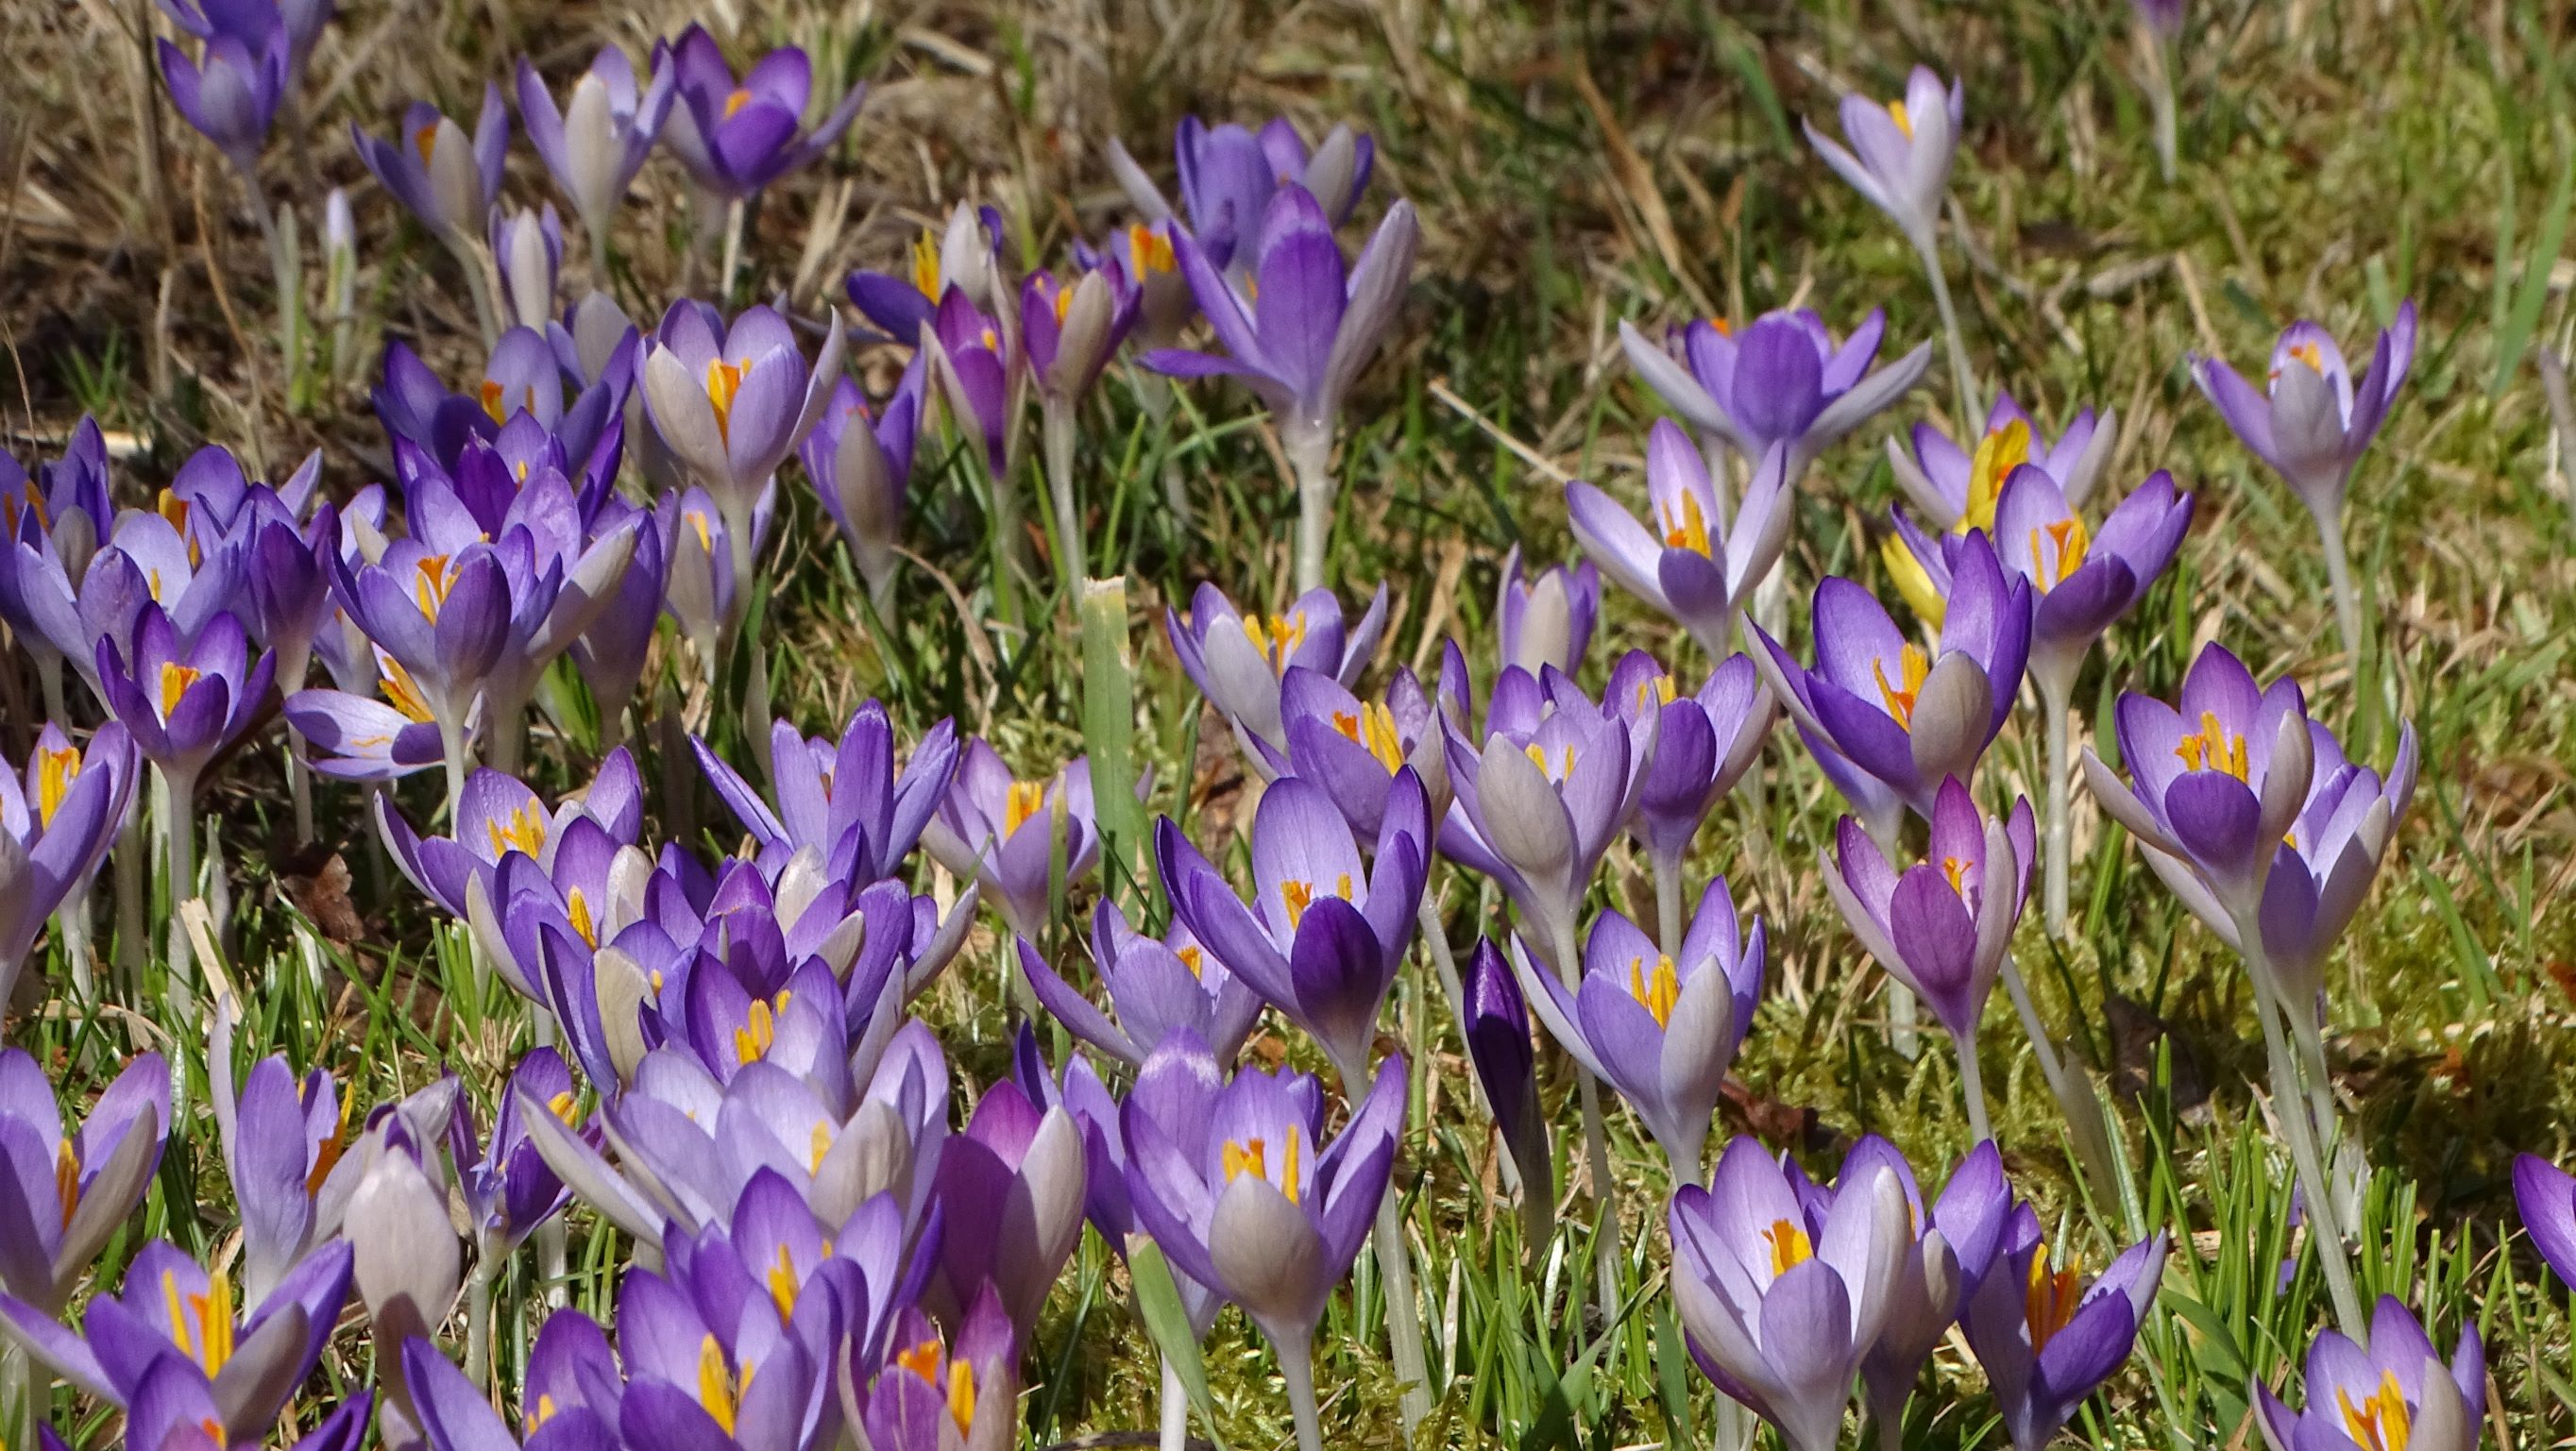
(860, 461)
(1307, 326)
(439, 176)
(507, 1189)
(174, 1410)
(408, 1264)
(230, 94)
(712, 1361)
(2163, 18)
(733, 402)
(1957, 487)
(1011, 1198)
(443, 618)
(1143, 254)
(942, 1393)
(527, 251)
(1661, 1028)
(964, 255)
(1943, 926)
(1951, 1247)
(55, 828)
(1694, 565)
(1261, 1209)
(2045, 1338)
(1325, 934)
(611, 654)
(2315, 419)
(842, 798)
(1229, 175)
(1071, 326)
(285, 1145)
(1239, 660)
(359, 738)
(1704, 743)
(1497, 1030)
(1784, 380)
(2395, 1392)
(702, 585)
(51, 527)
(736, 137)
(64, 1194)
(253, 20)
(1355, 748)
(1781, 1305)
(1904, 717)
(1546, 619)
(1156, 987)
(497, 814)
(999, 830)
(2545, 1196)
(1899, 154)
(175, 1312)
(456, 1415)
(183, 704)
(597, 142)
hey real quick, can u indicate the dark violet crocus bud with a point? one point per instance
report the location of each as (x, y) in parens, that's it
(737, 136)
(860, 461)
(56, 824)
(2044, 1337)
(1256, 1205)
(1546, 619)
(2315, 419)
(1781, 1301)
(1704, 744)
(439, 176)
(1497, 1030)
(597, 142)
(245, 1357)
(1156, 987)
(231, 93)
(1325, 933)
(1899, 156)
(184, 704)
(1355, 748)
(1238, 660)
(2396, 1392)
(1304, 326)
(1694, 564)
(1957, 487)
(2163, 18)
(1783, 380)
(65, 1190)
(1943, 926)
(1661, 1028)
(1904, 717)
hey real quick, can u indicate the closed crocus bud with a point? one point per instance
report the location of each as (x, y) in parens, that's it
(436, 172)
(2395, 1391)
(408, 1266)
(1498, 1042)
(1944, 926)
(597, 142)
(528, 248)
(1546, 620)
(1951, 1249)
(56, 824)
(1011, 1192)
(230, 95)
(1704, 743)
(67, 1188)
(860, 462)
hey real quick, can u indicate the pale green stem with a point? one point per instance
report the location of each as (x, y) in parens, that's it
(180, 789)
(1972, 1087)
(1596, 1141)
(452, 750)
(289, 274)
(299, 785)
(1403, 1312)
(1972, 412)
(2347, 601)
(478, 286)
(1175, 1409)
(1057, 426)
(2294, 1110)
(1310, 458)
(478, 1313)
(2052, 700)
(1297, 1368)
(732, 249)
(1668, 903)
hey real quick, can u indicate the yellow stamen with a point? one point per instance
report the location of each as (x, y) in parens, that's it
(723, 381)
(402, 692)
(1246, 1158)
(1151, 250)
(542, 1413)
(1899, 699)
(2072, 543)
(56, 770)
(1957, 871)
(2049, 1301)
(817, 1144)
(327, 1156)
(2381, 1422)
(1790, 1246)
(1279, 641)
(1904, 123)
(1288, 1170)
(706, 536)
(1659, 690)
(1296, 897)
(565, 1108)
(783, 1284)
(2310, 354)
(491, 394)
(1193, 959)
(1538, 758)
(2211, 748)
(432, 577)
(734, 103)
(1690, 530)
(719, 1390)
(1063, 304)
(1024, 800)
(759, 1033)
(961, 1396)
(212, 1343)
(925, 264)
(1913, 581)
(523, 830)
(1659, 992)
(1374, 728)
(577, 907)
(2000, 452)
(175, 680)
(67, 1169)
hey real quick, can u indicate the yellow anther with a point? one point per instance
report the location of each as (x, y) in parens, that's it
(925, 264)
(720, 1391)
(2071, 543)
(783, 1284)
(754, 1039)
(67, 1175)
(1790, 1246)
(577, 908)
(2050, 1299)
(1904, 123)
(2212, 748)
(2381, 1422)
(2000, 452)
(56, 770)
(1658, 992)
(734, 103)
(175, 680)
(1374, 728)
(1277, 642)
(1150, 249)
(723, 381)
(1024, 800)
(1194, 959)
(523, 830)
(1913, 669)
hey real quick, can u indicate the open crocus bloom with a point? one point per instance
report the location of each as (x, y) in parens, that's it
(597, 142)
(2047, 1339)
(732, 402)
(1783, 380)
(2394, 1395)
(1944, 925)
(64, 1192)
(1899, 153)
(1957, 486)
(737, 136)
(999, 829)
(1239, 660)
(56, 824)
(439, 176)
(2314, 419)
(1157, 987)
(1693, 564)
(1355, 748)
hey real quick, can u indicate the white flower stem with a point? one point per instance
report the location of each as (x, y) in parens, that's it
(2295, 1112)
(478, 1314)
(1297, 1368)
(1057, 426)
(451, 747)
(180, 790)
(1972, 413)
(1310, 458)
(1175, 1409)
(1403, 1312)
(2052, 699)
(1668, 903)
(1596, 1142)
(2347, 601)
(1903, 1035)
(1972, 1087)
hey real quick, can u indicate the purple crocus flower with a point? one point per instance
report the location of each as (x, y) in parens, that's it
(1306, 326)
(1662, 1028)
(252, 20)
(527, 252)
(360, 738)
(1070, 327)
(439, 176)
(1784, 380)
(597, 142)
(1546, 619)
(507, 1188)
(1355, 748)
(611, 654)
(64, 1193)
(2045, 1338)
(860, 461)
(1704, 743)
(736, 137)
(172, 1410)
(1944, 925)
(1949, 1251)
(1325, 933)
(713, 1361)
(1957, 487)
(963, 256)
(2314, 419)
(1906, 718)
(702, 585)
(1781, 1305)
(2163, 18)
(2545, 1196)
(1261, 1209)
(1239, 661)
(1497, 1029)
(456, 1415)
(2395, 1392)
(1899, 155)
(935, 1393)
(1156, 987)
(999, 830)
(51, 527)
(56, 825)
(1011, 1199)
(231, 93)
(1694, 565)
(175, 1312)
(842, 798)
(733, 402)
(1143, 254)
(443, 619)
(183, 704)
(1229, 175)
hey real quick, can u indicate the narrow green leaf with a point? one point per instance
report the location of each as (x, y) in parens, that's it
(1158, 1299)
